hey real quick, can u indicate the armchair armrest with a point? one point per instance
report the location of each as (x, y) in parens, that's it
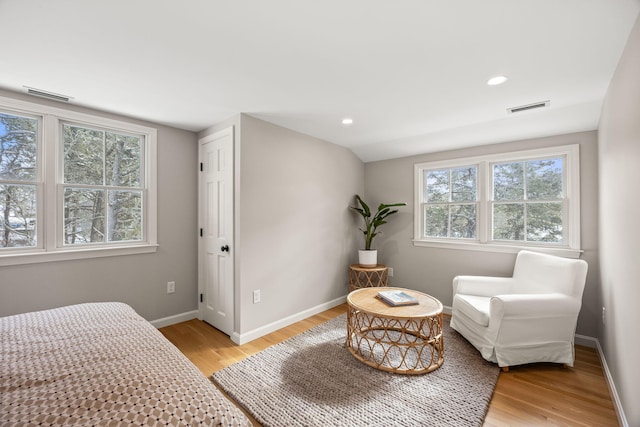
(484, 286)
(534, 305)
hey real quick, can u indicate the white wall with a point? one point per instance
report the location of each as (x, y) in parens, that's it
(138, 280)
(295, 235)
(619, 156)
(432, 270)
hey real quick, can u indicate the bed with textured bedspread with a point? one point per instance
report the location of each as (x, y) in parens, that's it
(101, 364)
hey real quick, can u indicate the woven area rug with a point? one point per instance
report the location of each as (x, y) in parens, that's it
(313, 380)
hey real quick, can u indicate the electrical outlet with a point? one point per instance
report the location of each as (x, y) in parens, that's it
(603, 313)
(390, 272)
(256, 296)
(171, 287)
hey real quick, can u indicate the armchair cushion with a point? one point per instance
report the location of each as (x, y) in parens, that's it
(476, 307)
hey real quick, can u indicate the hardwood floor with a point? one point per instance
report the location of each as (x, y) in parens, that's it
(528, 395)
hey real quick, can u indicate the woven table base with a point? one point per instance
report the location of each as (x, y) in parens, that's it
(401, 346)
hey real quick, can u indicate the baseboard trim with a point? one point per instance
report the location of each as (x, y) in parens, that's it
(176, 318)
(586, 341)
(617, 403)
(279, 324)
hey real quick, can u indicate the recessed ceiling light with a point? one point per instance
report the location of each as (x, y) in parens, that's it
(497, 80)
(347, 121)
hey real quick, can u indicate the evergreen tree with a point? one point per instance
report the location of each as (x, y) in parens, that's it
(18, 147)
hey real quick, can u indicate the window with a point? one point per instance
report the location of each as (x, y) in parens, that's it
(451, 202)
(501, 203)
(528, 201)
(97, 199)
(19, 137)
(102, 186)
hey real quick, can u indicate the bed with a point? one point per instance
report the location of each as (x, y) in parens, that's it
(101, 364)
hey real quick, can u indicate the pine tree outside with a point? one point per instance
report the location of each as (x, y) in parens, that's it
(102, 192)
(18, 148)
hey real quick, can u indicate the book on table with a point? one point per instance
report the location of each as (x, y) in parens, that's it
(395, 298)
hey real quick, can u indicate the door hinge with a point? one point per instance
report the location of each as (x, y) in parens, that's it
(201, 297)
(201, 167)
(201, 232)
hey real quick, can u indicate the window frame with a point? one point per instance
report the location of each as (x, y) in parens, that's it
(484, 242)
(50, 182)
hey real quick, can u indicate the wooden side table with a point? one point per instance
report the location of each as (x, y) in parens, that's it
(368, 277)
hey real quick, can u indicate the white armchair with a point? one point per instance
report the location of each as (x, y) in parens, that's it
(530, 317)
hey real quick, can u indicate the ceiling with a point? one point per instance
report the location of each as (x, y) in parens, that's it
(411, 73)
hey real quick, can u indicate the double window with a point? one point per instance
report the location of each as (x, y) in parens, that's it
(501, 202)
(73, 185)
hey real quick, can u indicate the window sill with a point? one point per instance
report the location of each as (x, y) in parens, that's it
(22, 258)
(500, 248)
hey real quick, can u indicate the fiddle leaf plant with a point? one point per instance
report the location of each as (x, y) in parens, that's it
(372, 222)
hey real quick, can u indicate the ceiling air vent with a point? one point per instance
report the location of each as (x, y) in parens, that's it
(541, 104)
(50, 95)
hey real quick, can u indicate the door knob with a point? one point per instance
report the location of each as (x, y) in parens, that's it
(225, 248)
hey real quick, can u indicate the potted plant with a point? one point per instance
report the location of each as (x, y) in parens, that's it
(369, 257)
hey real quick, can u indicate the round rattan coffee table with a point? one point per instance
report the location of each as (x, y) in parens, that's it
(402, 339)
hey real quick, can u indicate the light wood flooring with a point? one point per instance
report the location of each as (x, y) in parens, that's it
(529, 395)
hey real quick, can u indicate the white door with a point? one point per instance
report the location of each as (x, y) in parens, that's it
(215, 258)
